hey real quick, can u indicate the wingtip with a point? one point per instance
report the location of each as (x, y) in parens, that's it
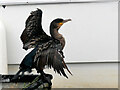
(66, 76)
(71, 74)
(39, 10)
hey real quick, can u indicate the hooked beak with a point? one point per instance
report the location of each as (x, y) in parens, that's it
(66, 20)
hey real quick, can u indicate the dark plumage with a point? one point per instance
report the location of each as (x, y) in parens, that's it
(33, 32)
(50, 53)
(47, 50)
(26, 64)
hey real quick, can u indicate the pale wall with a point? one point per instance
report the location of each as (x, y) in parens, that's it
(92, 36)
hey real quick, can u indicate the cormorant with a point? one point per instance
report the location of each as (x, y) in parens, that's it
(47, 50)
(50, 52)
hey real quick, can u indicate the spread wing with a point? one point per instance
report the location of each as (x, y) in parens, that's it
(50, 54)
(33, 32)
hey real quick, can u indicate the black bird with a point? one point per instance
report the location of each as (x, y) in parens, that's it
(47, 51)
(50, 52)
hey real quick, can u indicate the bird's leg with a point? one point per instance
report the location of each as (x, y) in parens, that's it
(22, 74)
(16, 76)
(44, 78)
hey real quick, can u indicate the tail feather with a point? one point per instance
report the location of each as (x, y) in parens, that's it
(67, 67)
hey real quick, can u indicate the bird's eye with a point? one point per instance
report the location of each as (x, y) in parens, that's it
(60, 23)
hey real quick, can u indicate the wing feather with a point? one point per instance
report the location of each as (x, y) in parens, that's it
(33, 30)
(53, 58)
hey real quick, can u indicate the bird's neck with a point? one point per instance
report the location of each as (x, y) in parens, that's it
(56, 35)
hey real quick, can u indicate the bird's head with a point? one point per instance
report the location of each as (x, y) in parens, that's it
(57, 23)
